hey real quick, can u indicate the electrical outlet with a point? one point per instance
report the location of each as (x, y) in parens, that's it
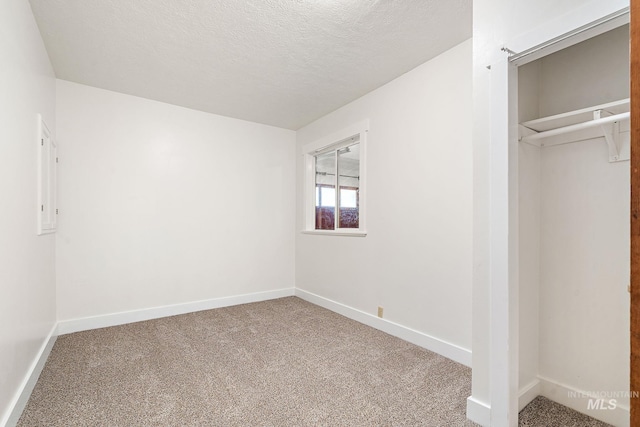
(380, 310)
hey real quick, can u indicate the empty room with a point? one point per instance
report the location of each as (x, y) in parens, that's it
(318, 212)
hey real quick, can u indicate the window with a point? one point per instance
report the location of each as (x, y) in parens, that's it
(47, 162)
(335, 183)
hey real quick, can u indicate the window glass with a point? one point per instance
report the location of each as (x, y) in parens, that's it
(327, 197)
(349, 184)
(325, 191)
(347, 179)
(348, 198)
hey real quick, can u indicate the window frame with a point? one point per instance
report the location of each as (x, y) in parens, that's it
(335, 141)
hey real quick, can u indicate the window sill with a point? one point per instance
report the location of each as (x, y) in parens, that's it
(349, 233)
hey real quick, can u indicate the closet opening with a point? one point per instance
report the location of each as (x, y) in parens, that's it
(572, 250)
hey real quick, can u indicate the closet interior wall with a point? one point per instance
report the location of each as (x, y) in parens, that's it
(574, 229)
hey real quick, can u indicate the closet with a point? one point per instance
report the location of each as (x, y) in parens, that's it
(573, 211)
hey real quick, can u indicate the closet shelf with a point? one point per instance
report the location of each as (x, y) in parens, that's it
(599, 121)
(577, 116)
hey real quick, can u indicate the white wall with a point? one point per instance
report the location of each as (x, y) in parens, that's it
(529, 268)
(593, 72)
(497, 23)
(415, 261)
(163, 205)
(27, 304)
(584, 271)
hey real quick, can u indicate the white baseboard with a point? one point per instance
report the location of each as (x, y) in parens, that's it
(451, 351)
(579, 400)
(478, 412)
(114, 319)
(21, 397)
(528, 393)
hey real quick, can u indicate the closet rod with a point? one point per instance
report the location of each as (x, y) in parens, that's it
(579, 126)
(621, 14)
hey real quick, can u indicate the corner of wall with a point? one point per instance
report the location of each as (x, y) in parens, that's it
(21, 397)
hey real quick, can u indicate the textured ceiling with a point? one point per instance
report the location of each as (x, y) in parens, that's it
(279, 62)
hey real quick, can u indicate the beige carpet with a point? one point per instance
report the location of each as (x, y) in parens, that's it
(276, 363)
(542, 412)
